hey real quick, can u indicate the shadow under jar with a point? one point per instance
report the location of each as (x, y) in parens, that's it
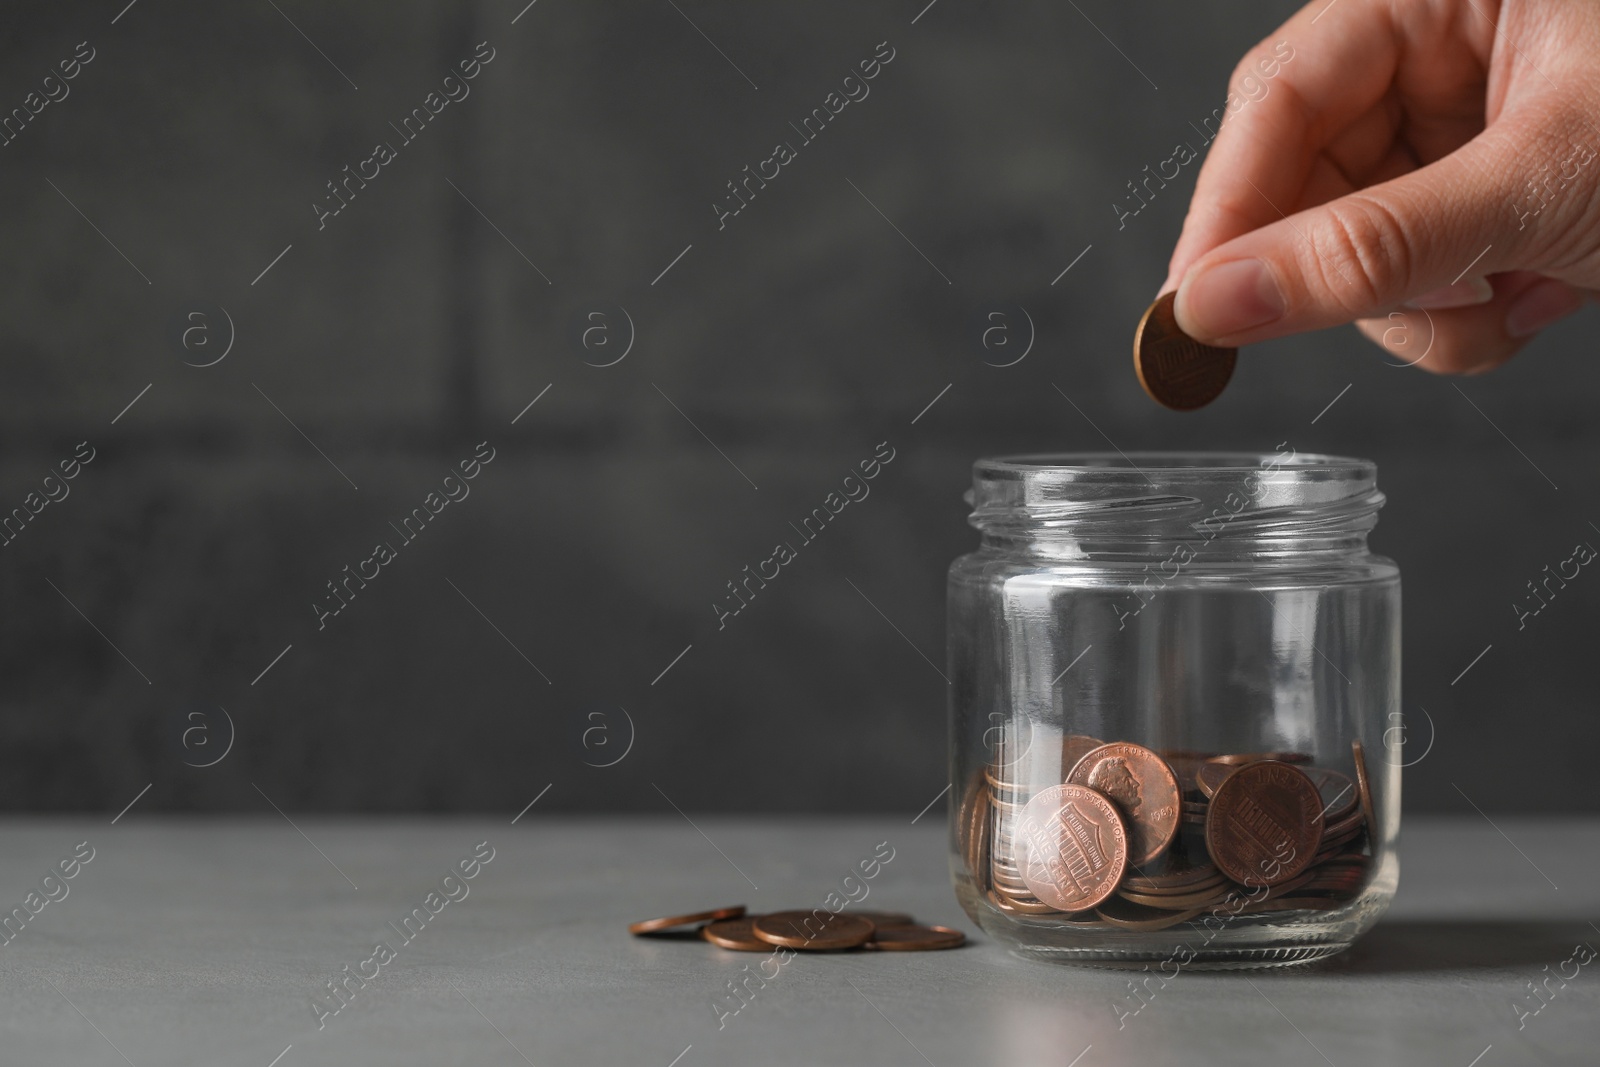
(1171, 677)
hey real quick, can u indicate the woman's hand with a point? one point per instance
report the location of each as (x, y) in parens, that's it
(1436, 154)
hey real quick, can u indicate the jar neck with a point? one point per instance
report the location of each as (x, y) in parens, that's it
(1178, 509)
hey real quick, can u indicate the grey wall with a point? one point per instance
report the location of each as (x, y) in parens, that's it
(796, 338)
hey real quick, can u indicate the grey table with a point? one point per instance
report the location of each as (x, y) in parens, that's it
(207, 942)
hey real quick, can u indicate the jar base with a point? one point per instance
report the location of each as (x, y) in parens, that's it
(1222, 959)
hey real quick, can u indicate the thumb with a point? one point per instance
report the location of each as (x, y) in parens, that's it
(1360, 255)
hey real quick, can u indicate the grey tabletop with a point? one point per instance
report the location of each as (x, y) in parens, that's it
(212, 942)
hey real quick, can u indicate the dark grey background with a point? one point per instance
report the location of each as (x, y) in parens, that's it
(797, 338)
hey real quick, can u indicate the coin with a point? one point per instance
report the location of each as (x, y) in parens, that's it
(1075, 847)
(1338, 793)
(913, 937)
(735, 934)
(1201, 897)
(1009, 905)
(819, 930)
(656, 926)
(1143, 788)
(1185, 764)
(1211, 774)
(1131, 916)
(1176, 877)
(1073, 748)
(1265, 823)
(1364, 785)
(973, 825)
(1176, 370)
(882, 919)
(1239, 759)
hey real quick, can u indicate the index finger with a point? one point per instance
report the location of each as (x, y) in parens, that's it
(1320, 71)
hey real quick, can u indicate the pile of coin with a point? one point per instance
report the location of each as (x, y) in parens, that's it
(1143, 840)
(819, 930)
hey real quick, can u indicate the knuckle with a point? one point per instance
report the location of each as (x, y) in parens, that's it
(1362, 254)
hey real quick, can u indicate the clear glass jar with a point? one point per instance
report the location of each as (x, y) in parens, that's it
(1132, 634)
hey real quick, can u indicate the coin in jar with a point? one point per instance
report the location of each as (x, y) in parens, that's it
(1264, 823)
(1364, 786)
(1176, 370)
(1073, 847)
(1211, 774)
(1073, 748)
(819, 930)
(673, 922)
(1143, 788)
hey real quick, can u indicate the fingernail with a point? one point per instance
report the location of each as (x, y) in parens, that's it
(1457, 295)
(1228, 299)
(1542, 304)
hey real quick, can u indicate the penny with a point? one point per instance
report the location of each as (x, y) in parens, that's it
(1239, 759)
(1022, 907)
(1075, 847)
(1201, 897)
(1185, 764)
(914, 937)
(1176, 370)
(673, 922)
(1211, 774)
(1131, 916)
(1265, 823)
(973, 826)
(882, 919)
(735, 934)
(1364, 786)
(1073, 748)
(1338, 793)
(819, 930)
(1175, 878)
(1143, 788)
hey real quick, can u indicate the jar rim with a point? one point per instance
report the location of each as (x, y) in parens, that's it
(1319, 465)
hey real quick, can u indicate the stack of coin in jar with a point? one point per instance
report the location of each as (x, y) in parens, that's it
(1143, 840)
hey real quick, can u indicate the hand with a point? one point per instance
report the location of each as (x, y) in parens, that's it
(1410, 153)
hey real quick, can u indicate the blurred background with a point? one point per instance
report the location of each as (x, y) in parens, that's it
(560, 235)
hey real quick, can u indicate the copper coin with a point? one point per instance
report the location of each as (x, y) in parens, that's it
(1143, 788)
(1239, 759)
(1130, 916)
(1202, 897)
(1011, 906)
(1176, 370)
(882, 919)
(1175, 877)
(656, 926)
(1074, 847)
(912, 937)
(1338, 793)
(972, 825)
(735, 934)
(1211, 774)
(1364, 786)
(1185, 764)
(1265, 823)
(819, 930)
(1073, 748)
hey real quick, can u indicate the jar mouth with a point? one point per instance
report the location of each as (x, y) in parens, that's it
(1173, 464)
(1162, 496)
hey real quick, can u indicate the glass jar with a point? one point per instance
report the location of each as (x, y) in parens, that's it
(1170, 679)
